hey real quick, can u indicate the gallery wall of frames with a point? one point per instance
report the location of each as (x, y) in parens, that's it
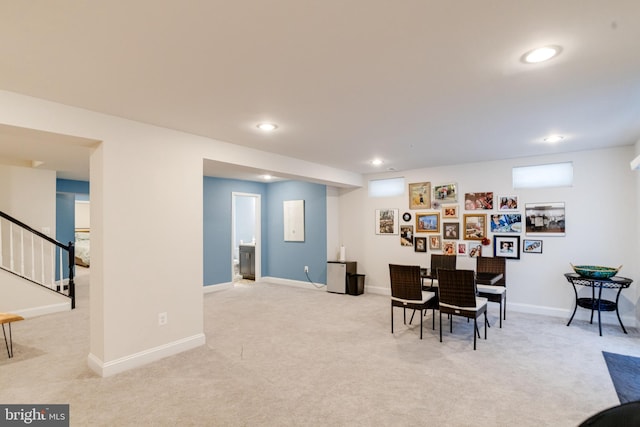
(443, 219)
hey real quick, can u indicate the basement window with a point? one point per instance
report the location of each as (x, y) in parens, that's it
(389, 187)
(543, 176)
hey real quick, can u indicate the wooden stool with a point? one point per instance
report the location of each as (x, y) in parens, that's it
(8, 318)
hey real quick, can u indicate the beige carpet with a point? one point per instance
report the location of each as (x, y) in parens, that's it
(284, 356)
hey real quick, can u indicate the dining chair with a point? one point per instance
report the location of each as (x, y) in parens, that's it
(441, 261)
(498, 291)
(457, 289)
(406, 291)
(437, 261)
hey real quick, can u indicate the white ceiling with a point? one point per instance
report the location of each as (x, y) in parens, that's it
(417, 83)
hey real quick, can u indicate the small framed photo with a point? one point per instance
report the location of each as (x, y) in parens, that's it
(530, 246)
(451, 230)
(450, 211)
(508, 203)
(545, 219)
(420, 244)
(449, 247)
(387, 221)
(461, 248)
(420, 195)
(506, 246)
(478, 201)
(475, 250)
(446, 193)
(406, 235)
(475, 226)
(428, 222)
(435, 242)
(506, 223)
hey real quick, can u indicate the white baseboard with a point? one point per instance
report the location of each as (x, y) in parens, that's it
(217, 287)
(608, 318)
(106, 369)
(295, 283)
(45, 309)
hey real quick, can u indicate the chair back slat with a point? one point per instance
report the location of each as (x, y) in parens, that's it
(405, 281)
(457, 287)
(493, 265)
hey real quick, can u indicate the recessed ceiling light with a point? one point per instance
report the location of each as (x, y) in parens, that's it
(553, 138)
(266, 177)
(376, 162)
(541, 54)
(267, 127)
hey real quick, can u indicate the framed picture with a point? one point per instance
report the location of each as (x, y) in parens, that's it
(428, 222)
(446, 193)
(506, 223)
(420, 244)
(475, 201)
(545, 219)
(449, 248)
(462, 248)
(508, 203)
(506, 246)
(532, 246)
(406, 217)
(475, 250)
(450, 211)
(475, 226)
(406, 235)
(420, 195)
(435, 242)
(387, 221)
(451, 230)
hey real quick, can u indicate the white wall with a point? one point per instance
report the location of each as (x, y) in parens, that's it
(29, 195)
(146, 225)
(601, 210)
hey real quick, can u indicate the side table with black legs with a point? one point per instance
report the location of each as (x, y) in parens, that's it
(596, 302)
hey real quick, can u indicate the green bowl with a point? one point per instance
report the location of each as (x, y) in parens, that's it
(595, 271)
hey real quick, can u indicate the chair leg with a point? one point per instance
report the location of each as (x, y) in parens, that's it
(440, 326)
(500, 313)
(412, 314)
(485, 325)
(433, 320)
(420, 323)
(504, 312)
(475, 326)
(391, 317)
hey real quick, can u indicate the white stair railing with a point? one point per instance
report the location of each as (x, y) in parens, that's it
(31, 254)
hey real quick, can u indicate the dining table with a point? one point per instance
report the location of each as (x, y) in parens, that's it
(483, 278)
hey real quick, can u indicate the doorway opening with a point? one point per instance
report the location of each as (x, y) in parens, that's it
(246, 237)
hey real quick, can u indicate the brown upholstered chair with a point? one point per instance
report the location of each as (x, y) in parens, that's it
(457, 292)
(498, 291)
(406, 290)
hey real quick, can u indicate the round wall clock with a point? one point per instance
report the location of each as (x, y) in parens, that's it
(406, 216)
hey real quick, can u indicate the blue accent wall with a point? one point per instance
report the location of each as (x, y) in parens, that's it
(217, 226)
(280, 259)
(287, 259)
(66, 193)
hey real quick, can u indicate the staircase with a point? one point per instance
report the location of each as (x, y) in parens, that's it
(36, 257)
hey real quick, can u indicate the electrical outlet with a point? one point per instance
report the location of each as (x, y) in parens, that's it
(162, 318)
(306, 268)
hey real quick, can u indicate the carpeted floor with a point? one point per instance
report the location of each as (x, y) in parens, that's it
(285, 356)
